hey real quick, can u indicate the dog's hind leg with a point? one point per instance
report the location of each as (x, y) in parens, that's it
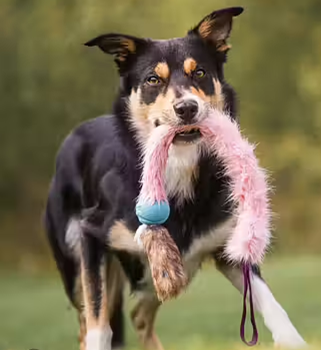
(82, 330)
(94, 289)
(275, 318)
(115, 284)
(143, 317)
(77, 301)
(56, 224)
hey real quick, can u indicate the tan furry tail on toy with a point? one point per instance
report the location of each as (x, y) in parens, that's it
(165, 262)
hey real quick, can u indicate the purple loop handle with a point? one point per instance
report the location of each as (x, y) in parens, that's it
(248, 288)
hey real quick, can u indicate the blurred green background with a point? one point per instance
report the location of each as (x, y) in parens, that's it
(50, 82)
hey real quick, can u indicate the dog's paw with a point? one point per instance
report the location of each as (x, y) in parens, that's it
(99, 339)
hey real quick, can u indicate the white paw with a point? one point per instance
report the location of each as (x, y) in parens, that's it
(99, 339)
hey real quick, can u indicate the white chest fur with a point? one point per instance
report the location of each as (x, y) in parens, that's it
(180, 170)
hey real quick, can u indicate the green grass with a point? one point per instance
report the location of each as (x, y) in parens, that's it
(34, 312)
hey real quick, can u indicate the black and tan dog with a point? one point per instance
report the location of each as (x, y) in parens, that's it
(90, 215)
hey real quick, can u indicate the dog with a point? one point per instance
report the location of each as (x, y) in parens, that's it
(90, 214)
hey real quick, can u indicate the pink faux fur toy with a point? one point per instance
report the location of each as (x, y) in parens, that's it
(249, 191)
(249, 187)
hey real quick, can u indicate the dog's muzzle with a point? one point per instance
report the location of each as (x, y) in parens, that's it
(186, 110)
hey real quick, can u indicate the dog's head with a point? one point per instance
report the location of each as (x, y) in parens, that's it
(174, 81)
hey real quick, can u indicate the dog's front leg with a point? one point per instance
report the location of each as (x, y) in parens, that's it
(275, 318)
(93, 280)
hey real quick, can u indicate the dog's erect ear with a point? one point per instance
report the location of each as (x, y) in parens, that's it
(122, 47)
(216, 27)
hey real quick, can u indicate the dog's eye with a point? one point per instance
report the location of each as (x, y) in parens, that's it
(153, 80)
(200, 73)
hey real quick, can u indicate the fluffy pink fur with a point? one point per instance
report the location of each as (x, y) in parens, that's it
(249, 189)
(155, 160)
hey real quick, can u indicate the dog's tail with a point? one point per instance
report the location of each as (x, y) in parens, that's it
(115, 285)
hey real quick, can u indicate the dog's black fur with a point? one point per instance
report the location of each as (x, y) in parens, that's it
(99, 164)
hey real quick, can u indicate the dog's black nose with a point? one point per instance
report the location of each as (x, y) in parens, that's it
(186, 110)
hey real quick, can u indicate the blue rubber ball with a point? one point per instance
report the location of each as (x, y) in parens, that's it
(155, 214)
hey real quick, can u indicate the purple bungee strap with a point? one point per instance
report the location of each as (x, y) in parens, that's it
(248, 288)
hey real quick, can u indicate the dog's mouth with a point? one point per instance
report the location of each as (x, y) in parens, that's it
(189, 135)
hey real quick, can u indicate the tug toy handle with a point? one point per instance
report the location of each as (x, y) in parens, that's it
(248, 288)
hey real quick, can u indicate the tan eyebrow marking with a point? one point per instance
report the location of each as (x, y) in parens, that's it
(162, 70)
(189, 65)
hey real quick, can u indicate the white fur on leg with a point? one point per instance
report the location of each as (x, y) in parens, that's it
(275, 318)
(73, 236)
(99, 339)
